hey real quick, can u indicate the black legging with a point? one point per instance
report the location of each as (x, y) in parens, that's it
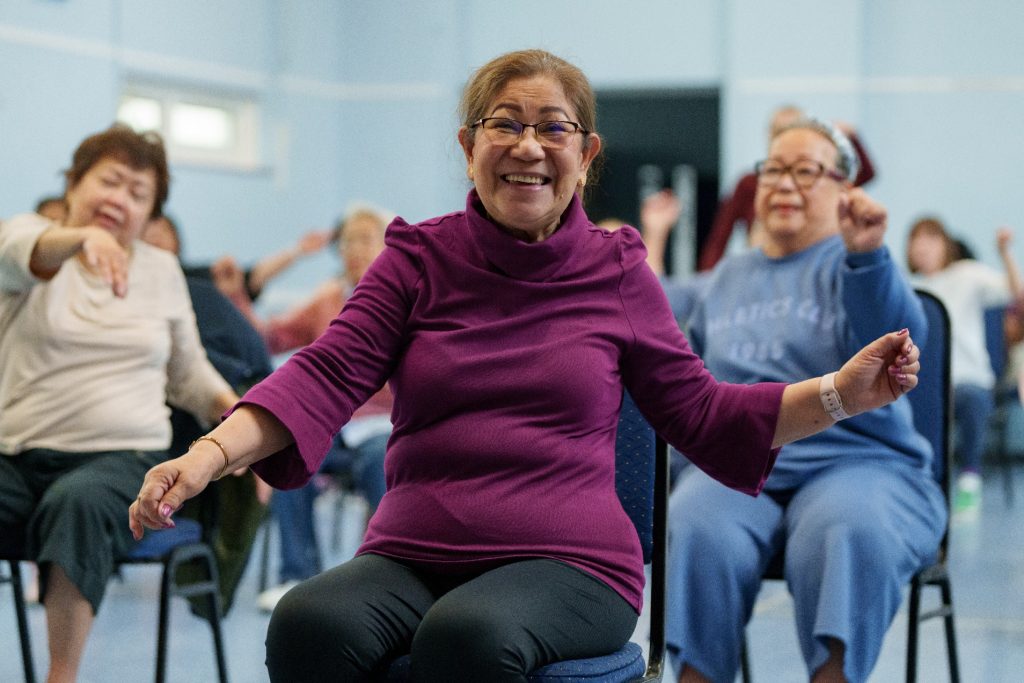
(351, 622)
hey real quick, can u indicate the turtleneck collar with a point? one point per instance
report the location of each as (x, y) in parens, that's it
(529, 261)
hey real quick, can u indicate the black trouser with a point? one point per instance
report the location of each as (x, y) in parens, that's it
(73, 510)
(351, 622)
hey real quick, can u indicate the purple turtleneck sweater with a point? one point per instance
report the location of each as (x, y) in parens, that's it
(507, 361)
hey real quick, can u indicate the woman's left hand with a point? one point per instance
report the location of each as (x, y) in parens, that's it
(166, 488)
(879, 373)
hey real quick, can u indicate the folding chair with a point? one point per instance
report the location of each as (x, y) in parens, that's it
(174, 548)
(641, 474)
(932, 404)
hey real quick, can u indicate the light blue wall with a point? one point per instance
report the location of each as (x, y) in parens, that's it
(359, 97)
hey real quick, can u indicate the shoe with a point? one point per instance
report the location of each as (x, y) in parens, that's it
(967, 499)
(32, 587)
(268, 599)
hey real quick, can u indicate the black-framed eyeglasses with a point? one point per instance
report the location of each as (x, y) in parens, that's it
(550, 134)
(804, 173)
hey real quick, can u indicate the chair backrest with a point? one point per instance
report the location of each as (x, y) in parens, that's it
(995, 339)
(635, 444)
(641, 481)
(932, 400)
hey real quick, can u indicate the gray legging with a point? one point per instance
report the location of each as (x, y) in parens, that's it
(350, 622)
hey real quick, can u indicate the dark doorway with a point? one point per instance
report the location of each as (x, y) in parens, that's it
(654, 139)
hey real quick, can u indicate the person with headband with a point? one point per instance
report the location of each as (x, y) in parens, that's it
(855, 505)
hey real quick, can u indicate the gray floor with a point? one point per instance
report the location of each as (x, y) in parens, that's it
(988, 573)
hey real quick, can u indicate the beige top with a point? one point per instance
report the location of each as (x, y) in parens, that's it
(80, 369)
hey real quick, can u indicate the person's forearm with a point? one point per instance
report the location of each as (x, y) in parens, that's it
(222, 403)
(655, 241)
(53, 247)
(247, 435)
(1013, 278)
(801, 413)
(270, 267)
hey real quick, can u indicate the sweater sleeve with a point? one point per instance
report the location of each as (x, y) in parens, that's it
(18, 237)
(319, 388)
(878, 299)
(725, 429)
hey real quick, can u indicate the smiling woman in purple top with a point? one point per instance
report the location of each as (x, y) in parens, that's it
(508, 331)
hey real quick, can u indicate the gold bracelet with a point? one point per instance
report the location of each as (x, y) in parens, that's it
(223, 451)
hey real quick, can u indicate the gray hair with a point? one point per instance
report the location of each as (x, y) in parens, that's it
(383, 217)
(847, 163)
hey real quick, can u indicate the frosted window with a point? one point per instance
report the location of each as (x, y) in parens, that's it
(194, 125)
(141, 113)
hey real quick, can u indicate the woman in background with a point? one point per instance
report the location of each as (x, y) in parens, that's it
(97, 333)
(360, 445)
(967, 288)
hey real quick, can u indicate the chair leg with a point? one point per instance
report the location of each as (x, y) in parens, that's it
(745, 661)
(22, 615)
(951, 653)
(268, 523)
(1002, 426)
(913, 612)
(163, 618)
(1008, 480)
(218, 639)
(209, 587)
(339, 520)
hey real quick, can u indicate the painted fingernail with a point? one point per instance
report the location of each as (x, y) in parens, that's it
(903, 331)
(165, 510)
(902, 377)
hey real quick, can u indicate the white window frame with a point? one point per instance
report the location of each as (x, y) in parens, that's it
(243, 153)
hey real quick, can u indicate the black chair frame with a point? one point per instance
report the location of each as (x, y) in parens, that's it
(199, 554)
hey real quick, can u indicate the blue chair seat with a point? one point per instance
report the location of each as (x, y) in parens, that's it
(156, 545)
(625, 665)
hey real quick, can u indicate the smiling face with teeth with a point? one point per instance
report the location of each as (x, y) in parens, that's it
(526, 187)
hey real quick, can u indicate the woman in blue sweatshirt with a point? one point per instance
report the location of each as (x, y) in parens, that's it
(855, 505)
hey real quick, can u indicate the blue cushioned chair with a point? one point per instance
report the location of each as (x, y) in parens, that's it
(187, 543)
(932, 403)
(641, 481)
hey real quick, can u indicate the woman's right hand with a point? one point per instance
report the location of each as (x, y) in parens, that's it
(167, 486)
(105, 256)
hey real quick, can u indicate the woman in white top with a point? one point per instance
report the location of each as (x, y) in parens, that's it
(97, 333)
(967, 287)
